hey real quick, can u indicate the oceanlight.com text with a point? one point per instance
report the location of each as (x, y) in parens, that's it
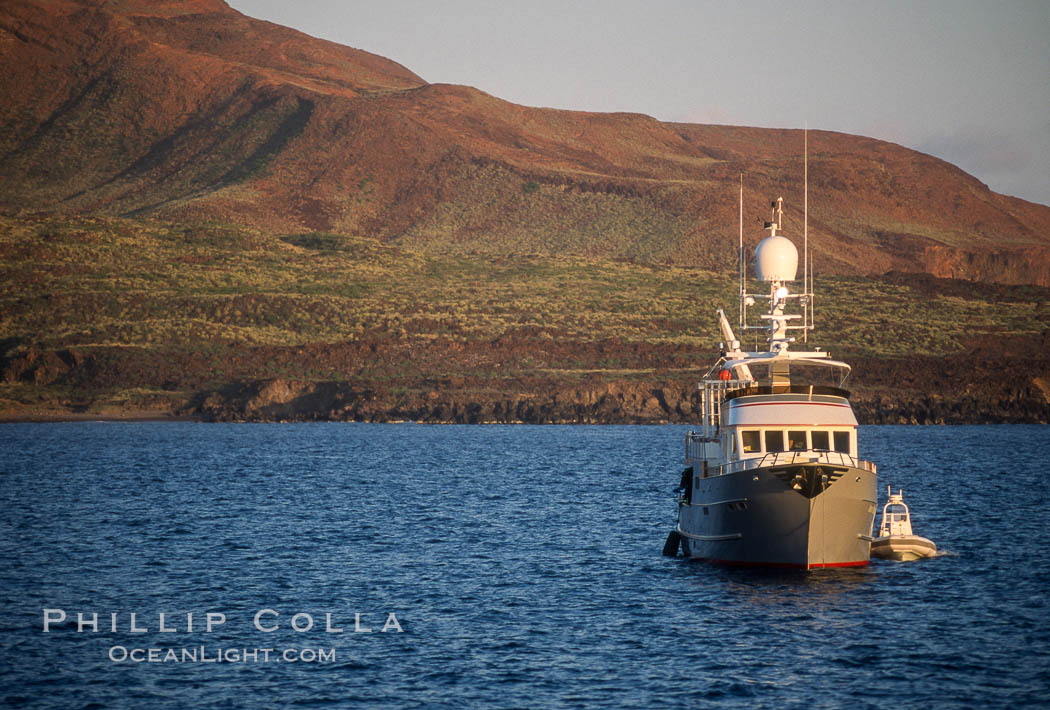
(204, 654)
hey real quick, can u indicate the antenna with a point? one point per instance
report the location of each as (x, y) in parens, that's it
(805, 230)
(740, 264)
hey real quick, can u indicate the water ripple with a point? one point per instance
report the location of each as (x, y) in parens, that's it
(523, 564)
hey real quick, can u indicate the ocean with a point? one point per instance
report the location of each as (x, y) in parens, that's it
(413, 566)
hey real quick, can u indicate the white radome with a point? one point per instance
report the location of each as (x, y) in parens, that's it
(776, 259)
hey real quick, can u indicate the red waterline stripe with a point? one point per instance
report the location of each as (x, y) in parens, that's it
(782, 565)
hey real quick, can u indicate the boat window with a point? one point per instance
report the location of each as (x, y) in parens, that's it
(797, 440)
(752, 442)
(774, 440)
(820, 441)
(842, 441)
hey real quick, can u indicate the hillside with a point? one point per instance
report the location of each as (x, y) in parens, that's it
(208, 216)
(107, 317)
(190, 111)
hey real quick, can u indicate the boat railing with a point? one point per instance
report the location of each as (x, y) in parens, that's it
(694, 445)
(752, 388)
(712, 394)
(789, 458)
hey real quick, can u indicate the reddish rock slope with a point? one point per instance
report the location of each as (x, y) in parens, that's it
(192, 111)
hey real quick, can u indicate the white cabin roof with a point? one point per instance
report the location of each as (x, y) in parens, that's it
(820, 359)
(758, 412)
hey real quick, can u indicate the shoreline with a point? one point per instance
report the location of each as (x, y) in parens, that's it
(153, 417)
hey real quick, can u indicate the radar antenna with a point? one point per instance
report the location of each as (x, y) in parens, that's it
(776, 263)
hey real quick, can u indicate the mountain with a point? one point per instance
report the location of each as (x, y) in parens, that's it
(192, 112)
(209, 216)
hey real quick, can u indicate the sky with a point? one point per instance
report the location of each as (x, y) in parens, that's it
(964, 80)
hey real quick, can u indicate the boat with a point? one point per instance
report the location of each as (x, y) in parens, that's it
(772, 476)
(896, 541)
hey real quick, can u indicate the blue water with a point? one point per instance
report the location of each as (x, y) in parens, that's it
(522, 565)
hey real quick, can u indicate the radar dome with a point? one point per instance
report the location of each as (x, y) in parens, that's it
(776, 259)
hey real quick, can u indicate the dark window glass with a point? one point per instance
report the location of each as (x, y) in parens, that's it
(797, 440)
(774, 441)
(752, 441)
(820, 440)
(842, 441)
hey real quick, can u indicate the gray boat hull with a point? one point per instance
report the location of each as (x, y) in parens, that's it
(801, 516)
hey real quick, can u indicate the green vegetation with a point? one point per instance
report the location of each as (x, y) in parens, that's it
(163, 311)
(102, 282)
(99, 282)
(492, 211)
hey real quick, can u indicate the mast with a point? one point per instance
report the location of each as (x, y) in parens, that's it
(805, 233)
(740, 261)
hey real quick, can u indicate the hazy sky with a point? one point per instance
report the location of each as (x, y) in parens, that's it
(965, 80)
